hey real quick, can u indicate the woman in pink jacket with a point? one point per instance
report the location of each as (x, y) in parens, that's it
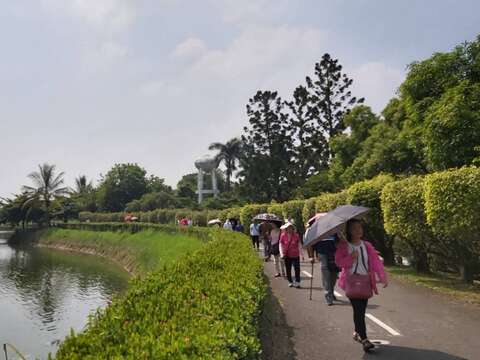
(290, 249)
(357, 256)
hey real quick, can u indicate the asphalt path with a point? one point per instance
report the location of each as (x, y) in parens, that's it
(407, 321)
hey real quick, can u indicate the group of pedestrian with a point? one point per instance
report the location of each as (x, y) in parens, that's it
(283, 244)
(350, 258)
(234, 225)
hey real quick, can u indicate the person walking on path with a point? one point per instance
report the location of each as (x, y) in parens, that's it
(360, 265)
(254, 235)
(275, 248)
(265, 228)
(291, 250)
(325, 251)
(227, 225)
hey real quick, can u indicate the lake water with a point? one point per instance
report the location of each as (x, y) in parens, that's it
(44, 293)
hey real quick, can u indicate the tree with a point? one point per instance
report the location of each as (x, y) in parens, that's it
(229, 154)
(330, 95)
(265, 159)
(452, 129)
(84, 194)
(153, 201)
(122, 184)
(156, 184)
(315, 185)
(46, 187)
(308, 141)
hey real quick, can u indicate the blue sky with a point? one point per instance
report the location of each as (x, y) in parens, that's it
(85, 84)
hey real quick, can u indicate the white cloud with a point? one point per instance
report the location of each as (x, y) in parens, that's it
(249, 11)
(189, 48)
(106, 15)
(104, 56)
(377, 82)
(152, 88)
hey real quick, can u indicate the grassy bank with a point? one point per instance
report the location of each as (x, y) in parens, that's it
(443, 283)
(139, 252)
(204, 306)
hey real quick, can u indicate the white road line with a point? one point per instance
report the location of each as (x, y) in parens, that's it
(383, 325)
(307, 273)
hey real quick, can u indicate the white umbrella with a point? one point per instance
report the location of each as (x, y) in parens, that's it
(215, 222)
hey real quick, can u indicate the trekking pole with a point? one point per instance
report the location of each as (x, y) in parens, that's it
(311, 282)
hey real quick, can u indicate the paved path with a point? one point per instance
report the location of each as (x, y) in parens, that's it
(415, 322)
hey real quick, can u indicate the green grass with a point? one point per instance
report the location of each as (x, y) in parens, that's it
(141, 252)
(441, 282)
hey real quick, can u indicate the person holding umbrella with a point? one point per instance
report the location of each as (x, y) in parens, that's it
(360, 265)
(291, 249)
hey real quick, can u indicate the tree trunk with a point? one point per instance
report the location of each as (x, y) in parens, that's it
(466, 271)
(421, 264)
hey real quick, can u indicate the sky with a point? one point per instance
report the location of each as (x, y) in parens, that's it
(85, 84)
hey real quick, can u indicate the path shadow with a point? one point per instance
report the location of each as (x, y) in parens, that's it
(276, 336)
(391, 352)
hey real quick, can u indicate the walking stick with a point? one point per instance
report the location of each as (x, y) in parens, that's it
(311, 282)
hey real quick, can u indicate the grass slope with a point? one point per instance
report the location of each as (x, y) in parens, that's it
(139, 253)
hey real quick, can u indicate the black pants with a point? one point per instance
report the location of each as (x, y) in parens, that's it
(255, 241)
(359, 309)
(295, 261)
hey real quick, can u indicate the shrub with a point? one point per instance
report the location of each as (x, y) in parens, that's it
(452, 204)
(248, 212)
(367, 193)
(200, 218)
(205, 306)
(309, 209)
(329, 201)
(276, 209)
(294, 210)
(403, 209)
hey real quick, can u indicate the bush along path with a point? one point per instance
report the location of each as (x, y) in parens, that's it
(205, 306)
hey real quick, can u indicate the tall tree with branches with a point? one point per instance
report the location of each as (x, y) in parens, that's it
(330, 96)
(228, 153)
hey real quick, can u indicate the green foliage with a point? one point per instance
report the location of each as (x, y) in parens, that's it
(228, 153)
(316, 184)
(453, 211)
(329, 201)
(248, 212)
(152, 201)
(122, 184)
(294, 210)
(275, 208)
(453, 127)
(309, 209)
(205, 306)
(367, 193)
(404, 217)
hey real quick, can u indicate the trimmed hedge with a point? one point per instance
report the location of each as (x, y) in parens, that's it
(403, 209)
(294, 210)
(309, 209)
(367, 193)
(205, 306)
(329, 201)
(452, 204)
(248, 212)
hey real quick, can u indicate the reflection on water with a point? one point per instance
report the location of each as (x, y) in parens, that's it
(44, 293)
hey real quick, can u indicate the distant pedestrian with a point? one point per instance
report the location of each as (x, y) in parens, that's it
(291, 250)
(239, 227)
(360, 265)
(325, 251)
(265, 228)
(227, 225)
(255, 235)
(276, 251)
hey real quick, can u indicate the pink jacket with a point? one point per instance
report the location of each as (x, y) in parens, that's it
(344, 260)
(290, 244)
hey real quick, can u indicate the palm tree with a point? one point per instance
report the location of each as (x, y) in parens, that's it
(82, 185)
(228, 153)
(46, 187)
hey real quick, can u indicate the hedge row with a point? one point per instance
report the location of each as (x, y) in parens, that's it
(205, 306)
(437, 217)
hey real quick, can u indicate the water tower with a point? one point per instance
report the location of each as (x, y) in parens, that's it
(206, 165)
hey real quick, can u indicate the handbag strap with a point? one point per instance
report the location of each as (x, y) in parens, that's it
(363, 260)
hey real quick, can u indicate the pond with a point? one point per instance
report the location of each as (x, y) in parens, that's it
(44, 293)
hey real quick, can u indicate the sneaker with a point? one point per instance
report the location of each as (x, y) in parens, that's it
(290, 284)
(297, 285)
(277, 275)
(357, 337)
(367, 345)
